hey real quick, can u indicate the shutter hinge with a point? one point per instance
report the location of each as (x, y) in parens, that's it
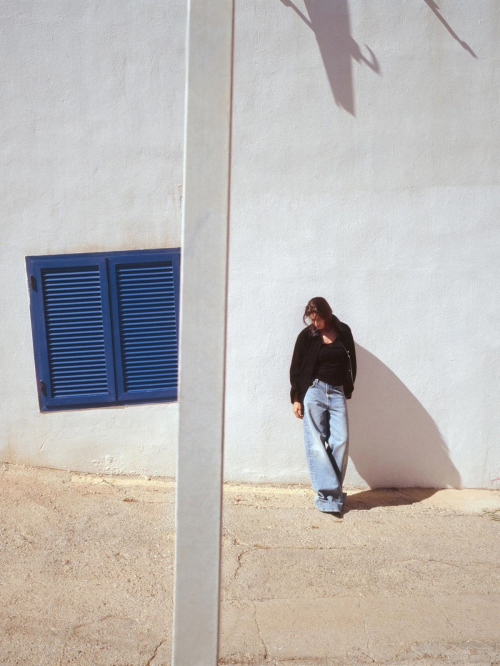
(42, 387)
(33, 282)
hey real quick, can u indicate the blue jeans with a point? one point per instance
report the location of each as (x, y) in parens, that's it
(326, 437)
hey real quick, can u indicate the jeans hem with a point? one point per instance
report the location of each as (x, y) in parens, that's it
(330, 506)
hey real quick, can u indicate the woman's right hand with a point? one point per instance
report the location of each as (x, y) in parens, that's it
(297, 410)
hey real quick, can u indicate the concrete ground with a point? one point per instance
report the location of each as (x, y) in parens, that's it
(406, 577)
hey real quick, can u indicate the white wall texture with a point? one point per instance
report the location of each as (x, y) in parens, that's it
(366, 164)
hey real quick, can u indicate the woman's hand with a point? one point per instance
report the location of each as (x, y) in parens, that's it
(297, 410)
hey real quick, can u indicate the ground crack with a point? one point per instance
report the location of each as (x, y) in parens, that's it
(258, 631)
(458, 566)
(258, 546)
(127, 498)
(446, 617)
(238, 563)
(148, 663)
(368, 648)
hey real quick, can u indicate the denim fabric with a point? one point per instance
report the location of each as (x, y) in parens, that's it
(326, 438)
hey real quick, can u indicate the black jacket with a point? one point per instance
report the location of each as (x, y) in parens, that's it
(306, 352)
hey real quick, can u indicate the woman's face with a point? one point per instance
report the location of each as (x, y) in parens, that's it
(318, 321)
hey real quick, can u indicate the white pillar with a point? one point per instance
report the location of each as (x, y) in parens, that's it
(203, 333)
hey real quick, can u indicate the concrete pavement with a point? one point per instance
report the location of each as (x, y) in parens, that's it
(406, 577)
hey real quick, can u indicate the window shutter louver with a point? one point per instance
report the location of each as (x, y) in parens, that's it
(144, 296)
(75, 332)
(74, 328)
(105, 327)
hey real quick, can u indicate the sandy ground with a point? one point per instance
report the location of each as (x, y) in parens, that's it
(406, 577)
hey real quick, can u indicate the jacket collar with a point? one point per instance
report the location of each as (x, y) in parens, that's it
(340, 326)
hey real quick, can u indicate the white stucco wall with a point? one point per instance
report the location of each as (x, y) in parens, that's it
(92, 152)
(365, 170)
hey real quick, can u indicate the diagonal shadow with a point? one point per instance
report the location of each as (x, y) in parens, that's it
(331, 24)
(434, 8)
(394, 440)
(382, 497)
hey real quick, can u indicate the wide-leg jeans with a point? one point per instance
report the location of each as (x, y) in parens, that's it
(326, 438)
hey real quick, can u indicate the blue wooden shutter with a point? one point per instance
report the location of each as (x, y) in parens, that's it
(145, 299)
(72, 331)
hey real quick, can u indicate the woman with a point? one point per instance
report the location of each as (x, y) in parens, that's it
(322, 375)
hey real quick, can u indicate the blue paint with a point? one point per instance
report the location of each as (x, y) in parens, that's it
(105, 327)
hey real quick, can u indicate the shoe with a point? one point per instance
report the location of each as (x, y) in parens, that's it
(337, 514)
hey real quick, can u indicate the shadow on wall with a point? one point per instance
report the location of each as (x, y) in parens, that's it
(394, 442)
(434, 7)
(330, 22)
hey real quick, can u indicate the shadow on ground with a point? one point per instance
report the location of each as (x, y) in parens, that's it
(371, 499)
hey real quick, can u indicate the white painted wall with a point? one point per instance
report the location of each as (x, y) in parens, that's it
(365, 170)
(91, 141)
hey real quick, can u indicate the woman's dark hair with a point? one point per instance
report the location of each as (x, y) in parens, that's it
(321, 307)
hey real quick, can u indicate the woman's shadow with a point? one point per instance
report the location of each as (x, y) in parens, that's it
(394, 442)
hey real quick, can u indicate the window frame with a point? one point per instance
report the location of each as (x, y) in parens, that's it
(106, 261)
